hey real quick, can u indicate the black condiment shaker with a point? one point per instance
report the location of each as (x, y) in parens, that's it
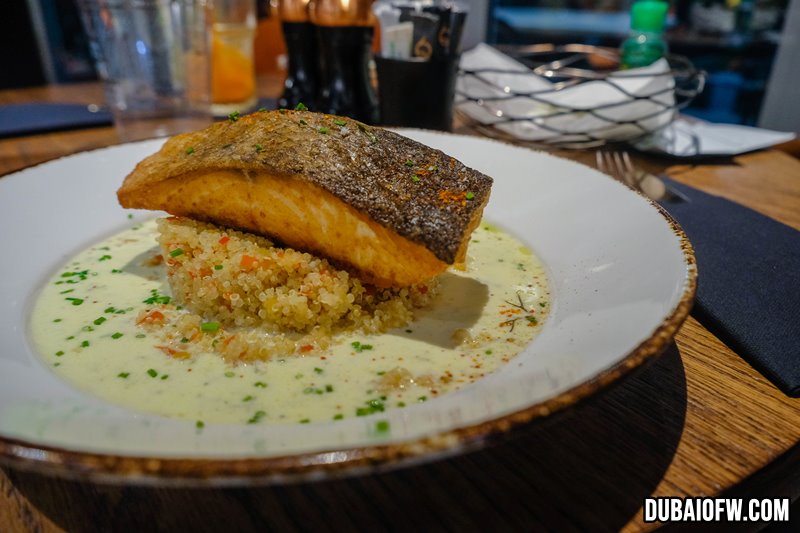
(345, 31)
(300, 35)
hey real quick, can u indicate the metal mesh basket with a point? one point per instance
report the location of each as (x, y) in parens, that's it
(501, 107)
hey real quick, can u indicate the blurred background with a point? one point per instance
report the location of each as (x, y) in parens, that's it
(749, 48)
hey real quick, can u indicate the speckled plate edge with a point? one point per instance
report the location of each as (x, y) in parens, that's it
(313, 466)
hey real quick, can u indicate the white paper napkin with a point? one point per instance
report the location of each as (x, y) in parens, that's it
(693, 138)
(609, 109)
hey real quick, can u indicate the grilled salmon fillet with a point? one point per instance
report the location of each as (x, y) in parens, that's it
(394, 210)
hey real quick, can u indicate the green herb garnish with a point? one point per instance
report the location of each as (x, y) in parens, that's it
(152, 373)
(470, 196)
(123, 375)
(233, 117)
(358, 347)
(256, 418)
(323, 130)
(210, 327)
(75, 301)
(176, 252)
(340, 122)
(100, 320)
(116, 335)
(300, 107)
(190, 150)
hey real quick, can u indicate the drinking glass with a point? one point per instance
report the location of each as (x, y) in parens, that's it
(233, 75)
(154, 56)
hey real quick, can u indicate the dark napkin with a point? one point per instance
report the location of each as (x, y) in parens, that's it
(748, 291)
(42, 117)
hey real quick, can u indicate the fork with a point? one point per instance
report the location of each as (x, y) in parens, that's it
(620, 167)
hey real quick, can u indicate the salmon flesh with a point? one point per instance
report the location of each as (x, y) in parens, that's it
(394, 210)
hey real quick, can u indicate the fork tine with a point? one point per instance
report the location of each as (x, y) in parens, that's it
(636, 176)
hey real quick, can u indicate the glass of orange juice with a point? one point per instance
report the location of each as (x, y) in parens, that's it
(233, 77)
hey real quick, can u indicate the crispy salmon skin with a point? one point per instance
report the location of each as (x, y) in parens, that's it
(396, 211)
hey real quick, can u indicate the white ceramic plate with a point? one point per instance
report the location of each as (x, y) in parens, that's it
(622, 277)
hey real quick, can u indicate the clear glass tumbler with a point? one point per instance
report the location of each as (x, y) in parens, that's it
(154, 56)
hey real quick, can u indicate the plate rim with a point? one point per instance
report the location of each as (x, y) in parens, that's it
(342, 462)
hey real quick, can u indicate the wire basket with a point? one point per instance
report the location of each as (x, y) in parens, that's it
(571, 96)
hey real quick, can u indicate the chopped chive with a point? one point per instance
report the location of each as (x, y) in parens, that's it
(217, 267)
(176, 252)
(67, 291)
(199, 424)
(300, 107)
(262, 109)
(229, 374)
(470, 196)
(260, 384)
(532, 319)
(258, 148)
(401, 404)
(152, 373)
(105, 258)
(303, 122)
(190, 150)
(116, 271)
(233, 117)
(338, 416)
(140, 335)
(75, 301)
(317, 370)
(165, 376)
(56, 320)
(85, 344)
(123, 375)
(100, 320)
(328, 388)
(415, 178)
(382, 426)
(488, 352)
(409, 163)
(358, 347)
(305, 421)
(256, 418)
(184, 340)
(130, 216)
(340, 122)
(323, 130)
(116, 335)
(59, 353)
(422, 399)
(248, 398)
(70, 337)
(87, 328)
(209, 327)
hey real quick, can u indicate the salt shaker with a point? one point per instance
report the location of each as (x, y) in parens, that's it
(301, 49)
(345, 31)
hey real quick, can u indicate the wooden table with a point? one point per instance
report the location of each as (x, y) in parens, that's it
(697, 422)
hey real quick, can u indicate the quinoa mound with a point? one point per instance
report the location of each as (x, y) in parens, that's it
(262, 300)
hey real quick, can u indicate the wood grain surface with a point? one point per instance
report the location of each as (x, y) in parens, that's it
(699, 421)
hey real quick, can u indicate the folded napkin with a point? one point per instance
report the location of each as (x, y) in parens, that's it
(42, 117)
(748, 292)
(693, 138)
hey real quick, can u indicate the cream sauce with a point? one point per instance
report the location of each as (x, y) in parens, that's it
(84, 325)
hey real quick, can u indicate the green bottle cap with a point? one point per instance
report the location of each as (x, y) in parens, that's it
(649, 15)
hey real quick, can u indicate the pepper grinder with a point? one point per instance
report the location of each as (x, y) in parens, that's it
(344, 32)
(301, 50)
